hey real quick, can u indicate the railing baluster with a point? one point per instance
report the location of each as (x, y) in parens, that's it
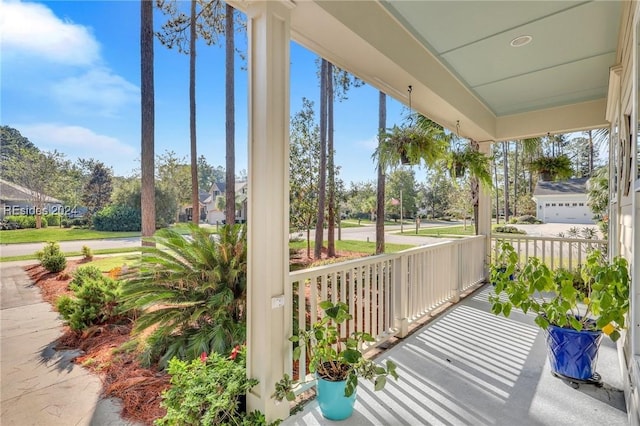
(302, 310)
(367, 299)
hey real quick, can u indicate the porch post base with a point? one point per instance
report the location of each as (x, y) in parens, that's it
(403, 327)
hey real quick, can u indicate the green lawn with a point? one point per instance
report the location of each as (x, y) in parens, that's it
(183, 228)
(58, 234)
(73, 253)
(106, 264)
(446, 231)
(355, 246)
(441, 231)
(349, 223)
(365, 222)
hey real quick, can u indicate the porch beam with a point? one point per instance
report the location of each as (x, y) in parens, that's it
(269, 321)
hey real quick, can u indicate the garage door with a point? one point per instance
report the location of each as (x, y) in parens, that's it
(567, 213)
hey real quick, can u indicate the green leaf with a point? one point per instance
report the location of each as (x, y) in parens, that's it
(332, 312)
(615, 335)
(542, 322)
(381, 381)
(506, 310)
(326, 304)
(351, 355)
(297, 351)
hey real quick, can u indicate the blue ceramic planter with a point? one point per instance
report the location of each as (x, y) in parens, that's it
(333, 404)
(573, 353)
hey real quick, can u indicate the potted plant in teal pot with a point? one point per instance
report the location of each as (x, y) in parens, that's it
(337, 362)
(574, 317)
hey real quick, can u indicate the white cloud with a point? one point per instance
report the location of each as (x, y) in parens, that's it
(32, 29)
(371, 143)
(98, 90)
(77, 142)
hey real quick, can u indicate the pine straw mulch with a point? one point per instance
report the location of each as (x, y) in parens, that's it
(123, 377)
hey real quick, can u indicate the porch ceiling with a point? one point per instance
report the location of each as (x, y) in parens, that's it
(458, 58)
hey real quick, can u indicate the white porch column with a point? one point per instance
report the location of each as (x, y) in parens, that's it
(268, 207)
(484, 209)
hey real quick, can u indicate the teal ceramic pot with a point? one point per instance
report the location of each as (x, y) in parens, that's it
(333, 404)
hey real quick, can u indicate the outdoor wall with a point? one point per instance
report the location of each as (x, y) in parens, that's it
(563, 209)
(625, 216)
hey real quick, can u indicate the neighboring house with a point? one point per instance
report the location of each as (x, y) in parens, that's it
(218, 189)
(18, 200)
(563, 202)
(187, 210)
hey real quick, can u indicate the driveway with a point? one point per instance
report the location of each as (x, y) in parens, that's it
(553, 229)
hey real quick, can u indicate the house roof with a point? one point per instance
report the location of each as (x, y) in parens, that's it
(569, 186)
(10, 191)
(220, 186)
(203, 196)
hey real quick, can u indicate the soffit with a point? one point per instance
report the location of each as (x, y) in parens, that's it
(573, 46)
(457, 57)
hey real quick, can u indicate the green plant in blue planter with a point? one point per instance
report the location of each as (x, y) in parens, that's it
(570, 314)
(337, 361)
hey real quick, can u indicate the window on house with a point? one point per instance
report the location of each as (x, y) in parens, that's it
(546, 204)
(581, 204)
(553, 204)
(575, 204)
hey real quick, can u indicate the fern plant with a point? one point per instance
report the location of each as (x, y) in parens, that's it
(191, 292)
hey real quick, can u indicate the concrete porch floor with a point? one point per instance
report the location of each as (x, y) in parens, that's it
(469, 367)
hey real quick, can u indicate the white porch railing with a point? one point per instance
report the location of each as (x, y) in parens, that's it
(556, 252)
(386, 293)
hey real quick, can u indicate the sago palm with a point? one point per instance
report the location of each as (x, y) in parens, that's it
(191, 293)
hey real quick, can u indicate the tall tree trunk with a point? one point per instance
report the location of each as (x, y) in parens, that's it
(515, 182)
(148, 195)
(331, 214)
(505, 161)
(230, 128)
(495, 175)
(382, 125)
(475, 191)
(195, 198)
(322, 181)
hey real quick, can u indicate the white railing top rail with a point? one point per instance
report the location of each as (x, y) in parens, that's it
(540, 238)
(303, 274)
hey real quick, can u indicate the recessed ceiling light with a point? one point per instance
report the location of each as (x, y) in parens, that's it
(521, 41)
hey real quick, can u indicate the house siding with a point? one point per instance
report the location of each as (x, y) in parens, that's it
(625, 212)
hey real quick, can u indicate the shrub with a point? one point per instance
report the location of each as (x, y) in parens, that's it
(51, 258)
(508, 230)
(528, 219)
(208, 391)
(513, 220)
(87, 254)
(192, 292)
(95, 301)
(82, 274)
(117, 218)
(25, 222)
(52, 219)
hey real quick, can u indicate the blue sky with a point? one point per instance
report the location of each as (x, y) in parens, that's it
(71, 82)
